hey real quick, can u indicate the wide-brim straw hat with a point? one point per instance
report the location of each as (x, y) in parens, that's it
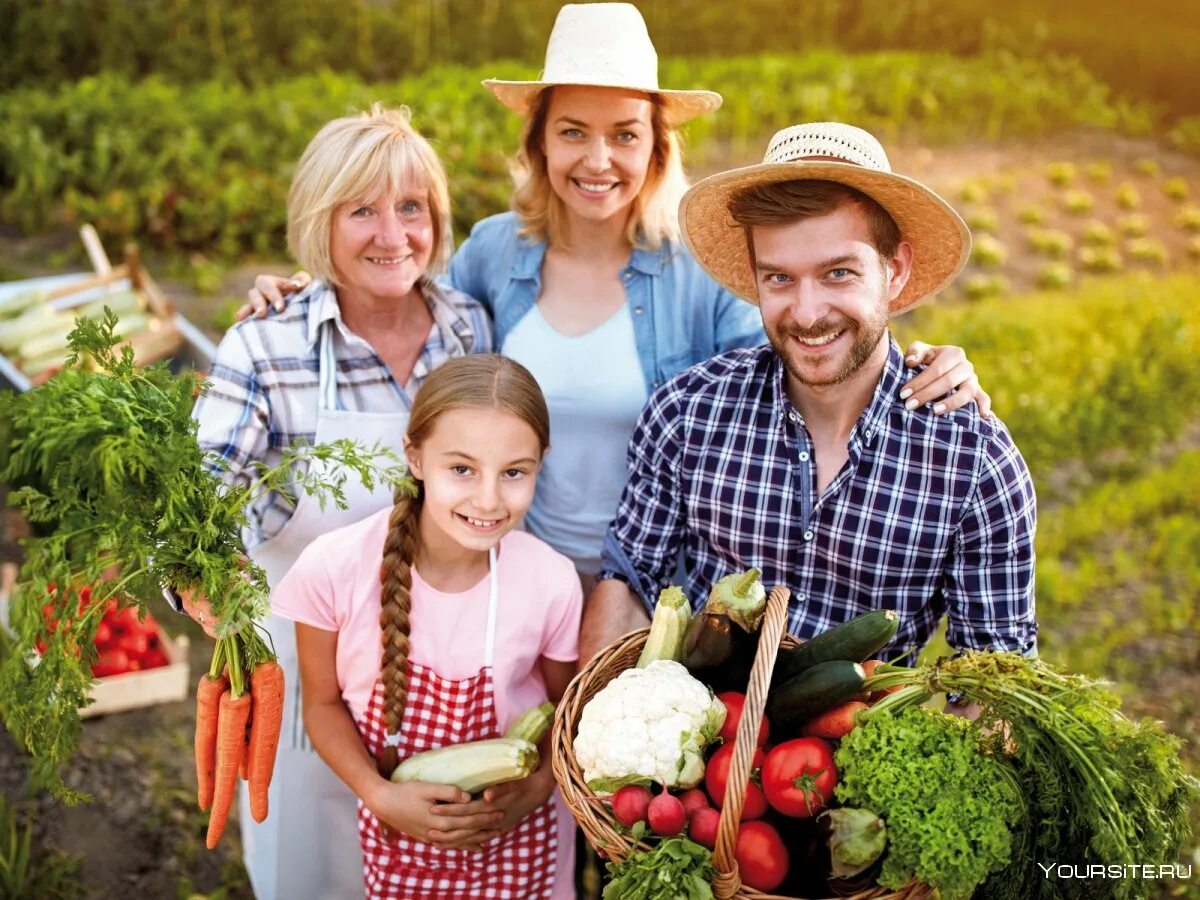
(602, 45)
(827, 151)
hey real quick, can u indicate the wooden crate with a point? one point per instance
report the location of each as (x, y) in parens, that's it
(131, 690)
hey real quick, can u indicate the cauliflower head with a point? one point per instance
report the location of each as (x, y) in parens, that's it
(648, 724)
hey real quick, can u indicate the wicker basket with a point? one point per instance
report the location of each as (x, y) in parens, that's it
(594, 815)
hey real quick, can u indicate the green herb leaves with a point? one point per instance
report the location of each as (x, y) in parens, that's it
(677, 869)
(108, 471)
(950, 807)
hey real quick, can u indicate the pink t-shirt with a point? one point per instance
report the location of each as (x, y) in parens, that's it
(334, 586)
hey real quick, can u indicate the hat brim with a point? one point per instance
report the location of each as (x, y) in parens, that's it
(940, 240)
(520, 96)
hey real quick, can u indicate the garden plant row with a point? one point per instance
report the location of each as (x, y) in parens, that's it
(206, 166)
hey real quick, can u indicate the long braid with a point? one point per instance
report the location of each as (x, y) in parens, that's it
(395, 575)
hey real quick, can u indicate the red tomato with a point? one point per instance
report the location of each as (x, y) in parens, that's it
(734, 703)
(716, 774)
(134, 643)
(104, 634)
(799, 776)
(761, 856)
(111, 662)
(127, 620)
(154, 659)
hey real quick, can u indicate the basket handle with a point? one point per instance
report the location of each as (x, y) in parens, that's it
(727, 883)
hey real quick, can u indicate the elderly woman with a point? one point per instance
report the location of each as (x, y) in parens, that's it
(587, 281)
(368, 214)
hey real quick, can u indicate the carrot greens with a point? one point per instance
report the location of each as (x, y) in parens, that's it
(107, 469)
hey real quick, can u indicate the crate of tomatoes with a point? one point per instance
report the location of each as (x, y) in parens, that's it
(137, 663)
(715, 756)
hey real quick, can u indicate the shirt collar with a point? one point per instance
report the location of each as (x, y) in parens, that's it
(322, 307)
(531, 254)
(886, 394)
(457, 333)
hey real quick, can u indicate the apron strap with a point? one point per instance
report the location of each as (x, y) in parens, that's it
(489, 647)
(327, 369)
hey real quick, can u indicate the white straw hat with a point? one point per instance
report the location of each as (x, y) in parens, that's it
(827, 151)
(602, 45)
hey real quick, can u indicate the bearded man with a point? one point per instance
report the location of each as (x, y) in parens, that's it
(802, 457)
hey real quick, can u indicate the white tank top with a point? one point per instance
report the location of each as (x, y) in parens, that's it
(595, 391)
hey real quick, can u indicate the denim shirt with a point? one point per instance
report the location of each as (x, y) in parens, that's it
(680, 315)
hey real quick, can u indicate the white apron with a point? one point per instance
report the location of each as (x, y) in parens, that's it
(308, 847)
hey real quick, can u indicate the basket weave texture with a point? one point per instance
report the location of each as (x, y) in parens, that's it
(593, 814)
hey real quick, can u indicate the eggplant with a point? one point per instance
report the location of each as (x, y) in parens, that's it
(722, 639)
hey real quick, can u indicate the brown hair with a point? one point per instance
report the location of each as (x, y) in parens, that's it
(781, 202)
(654, 216)
(486, 381)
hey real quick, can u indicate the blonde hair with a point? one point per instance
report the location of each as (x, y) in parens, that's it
(654, 216)
(350, 159)
(486, 381)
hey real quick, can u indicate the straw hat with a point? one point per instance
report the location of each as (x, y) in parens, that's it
(602, 45)
(827, 151)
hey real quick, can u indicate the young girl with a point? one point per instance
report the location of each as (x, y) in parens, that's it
(477, 623)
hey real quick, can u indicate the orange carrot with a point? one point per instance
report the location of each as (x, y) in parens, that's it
(266, 684)
(231, 746)
(208, 697)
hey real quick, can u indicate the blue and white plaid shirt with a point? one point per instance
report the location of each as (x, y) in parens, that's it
(929, 515)
(264, 392)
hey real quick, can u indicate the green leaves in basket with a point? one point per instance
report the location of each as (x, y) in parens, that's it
(677, 869)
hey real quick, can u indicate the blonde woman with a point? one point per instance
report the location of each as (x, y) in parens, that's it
(368, 214)
(587, 282)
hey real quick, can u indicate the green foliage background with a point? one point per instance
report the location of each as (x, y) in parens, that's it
(176, 123)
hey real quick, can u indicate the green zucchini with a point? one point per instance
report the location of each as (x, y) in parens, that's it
(812, 692)
(856, 640)
(532, 724)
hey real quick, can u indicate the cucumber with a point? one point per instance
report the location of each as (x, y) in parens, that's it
(532, 724)
(812, 692)
(855, 640)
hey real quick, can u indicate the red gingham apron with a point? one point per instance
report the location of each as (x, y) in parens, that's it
(518, 864)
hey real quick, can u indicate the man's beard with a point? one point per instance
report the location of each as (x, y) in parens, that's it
(865, 334)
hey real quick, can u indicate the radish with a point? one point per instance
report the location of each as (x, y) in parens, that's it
(630, 803)
(666, 815)
(693, 800)
(702, 826)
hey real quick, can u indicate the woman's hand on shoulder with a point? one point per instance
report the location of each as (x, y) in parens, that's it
(271, 290)
(437, 813)
(946, 369)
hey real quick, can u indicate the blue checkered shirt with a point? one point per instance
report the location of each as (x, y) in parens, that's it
(264, 391)
(930, 515)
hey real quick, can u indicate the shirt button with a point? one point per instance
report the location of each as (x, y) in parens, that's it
(803, 456)
(808, 535)
(656, 383)
(801, 598)
(793, 417)
(637, 310)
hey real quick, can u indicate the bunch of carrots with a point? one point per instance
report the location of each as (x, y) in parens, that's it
(237, 729)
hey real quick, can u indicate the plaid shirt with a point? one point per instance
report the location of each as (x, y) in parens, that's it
(263, 393)
(929, 515)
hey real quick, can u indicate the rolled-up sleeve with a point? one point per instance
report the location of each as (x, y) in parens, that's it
(232, 415)
(990, 576)
(642, 543)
